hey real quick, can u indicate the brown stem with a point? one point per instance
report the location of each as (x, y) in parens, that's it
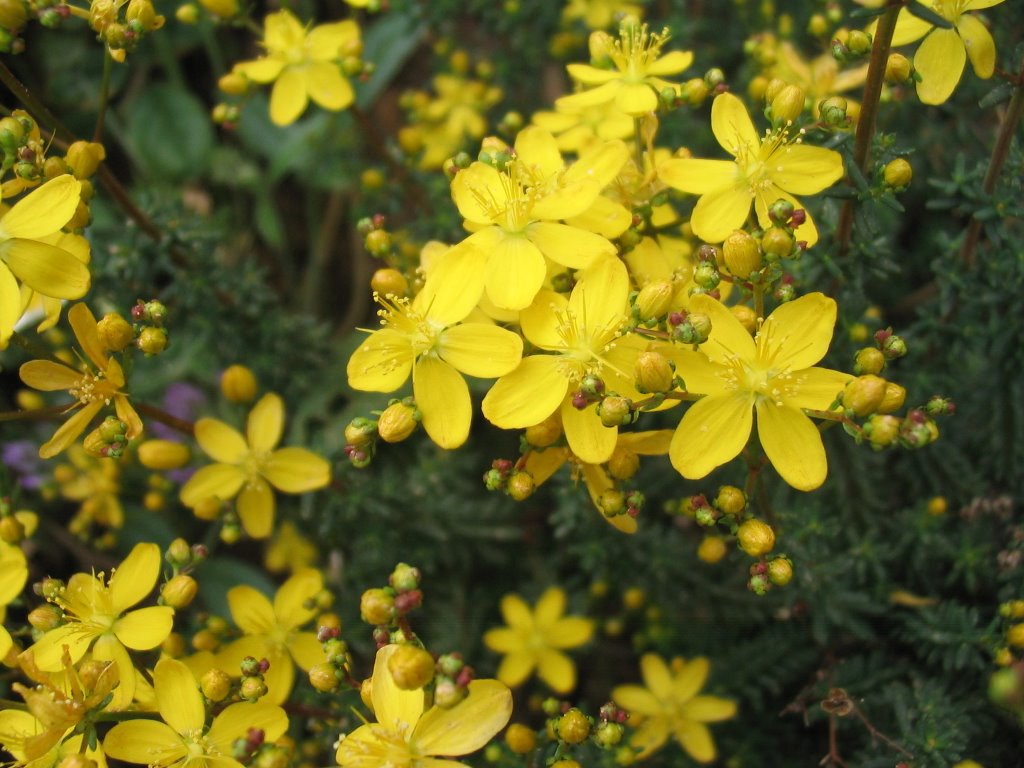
(185, 427)
(869, 111)
(36, 414)
(34, 105)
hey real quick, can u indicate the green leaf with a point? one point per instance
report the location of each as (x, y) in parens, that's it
(268, 220)
(171, 133)
(218, 575)
(388, 44)
(925, 13)
(997, 95)
(866, 13)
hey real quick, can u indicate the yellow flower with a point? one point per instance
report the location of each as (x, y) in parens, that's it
(26, 255)
(599, 14)
(820, 77)
(584, 334)
(98, 617)
(32, 302)
(514, 213)
(636, 80)
(13, 575)
(426, 338)
(772, 375)
(535, 640)
(942, 54)
(577, 129)
(19, 732)
(289, 549)
(303, 65)
(272, 631)
(94, 482)
(764, 170)
(182, 739)
(248, 466)
(405, 736)
(669, 706)
(443, 124)
(92, 390)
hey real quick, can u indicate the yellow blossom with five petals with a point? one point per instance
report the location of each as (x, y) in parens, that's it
(668, 705)
(249, 466)
(183, 738)
(771, 375)
(406, 736)
(763, 170)
(303, 64)
(535, 640)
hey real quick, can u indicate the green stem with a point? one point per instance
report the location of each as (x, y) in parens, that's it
(759, 301)
(101, 116)
(869, 111)
(1000, 152)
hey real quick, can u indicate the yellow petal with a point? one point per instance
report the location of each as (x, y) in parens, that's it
(442, 397)
(569, 246)
(517, 613)
(293, 603)
(48, 376)
(604, 217)
(306, 650)
(255, 507)
(690, 679)
(797, 334)
(588, 438)
(537, 149)
(296, 470)
(476, 189)
(326, 41)
(570, 632)
(909, 28)
(671, 63)
(328, 87)
(636, 700)
(280, 677)
(792, 444)
(467, 726)
(382, 363)
(265, 424)
(556, 669)
(566, 200)
(515, 270)
(476, 349)
(108, 648)
(144, 742)
(981, 48)
(47, 651)
(289, 97)
(599, 298)
(251, 610)
(550, 606)
(135, 577)
(657, 676)
(503, 640)
(220, 481)
(803, 170)
(145, 628)
(282, 30)
(395, 709)
(728, 339)
(70, 430)
(636, 98)
(713, 432)
(46, 268)
(221, 442)
(816, 388)
(650, 736)
(718, 214)
(589, 75)
(940, 61)
(540, 321)
(43, 211)
(10, 305)
(178, 697)
(600, 164)
(732, 126)
(229, 658)
(528, 395)
(126, 413)
(235, 721)
(698, 177)
(455, 284)
(708, 709)
(516, 667)
(264, 70)
(695, 738)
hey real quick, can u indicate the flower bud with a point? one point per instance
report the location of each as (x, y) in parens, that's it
(897, 174)
(774, 88)
(611, 502)
(360, 432)
(869, 360)
(694, 91)
(742, 254)
(654, 373)
(864, 394)
(623, 464)
(405, 578)
(897, 69)
(712, 549)
(520, 485)
(780, 212)
(895, 395)
(706, 275)
(834, 111)
(882, 430)
(858, 42)
(411, 667)
(616, 411)
(893, 347)
(324, 677)
(152, 341)
(746, 316)
(756, 537)
(1015, 636)
(377, 606)
(115, 332)
(238, 384)
(144, 16)
(397, 422)
(179, 592)
(447, 694)
(777, 242)
(13, 15)
(187, 13)
(215, 684)
(520, 738)
(780, 571)
(389, 282)
(546, 433)
(918, 430)
(695, 329)
(787, 104)
(45, 617)
(12, 530)
(252, 688)
(573, 727)
(608, 734)
(163, 454)
(730, 500)
(654, 300)
(224, 9)
(85, 157)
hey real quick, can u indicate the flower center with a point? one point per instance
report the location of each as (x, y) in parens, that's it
(398, 313)
(636, 49)
(92, 388)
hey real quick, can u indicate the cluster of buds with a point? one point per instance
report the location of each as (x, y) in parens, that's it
(45, 617)
(328, 675)
(149, 319)
(122, 34)
(394, 424)
(376, 238)
(244, 749)
(253, 686)
(1012, 611)
(689, 327)
(24, 151)
(765, 574)
(496, 153)
(694, 91)
(211, 634)
(452, 677)
(855, 46)
(107, 441)
(570, 727)
(614, 502)
(508, 477)
(180, 590)
(387, 607)
(705, 273)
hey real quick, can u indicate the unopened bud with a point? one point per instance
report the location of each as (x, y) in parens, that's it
(377, 606)
(864, 394)
(252, 688)
(897, 69)
(520, 738)
(881, 430)
(179, 592)
(411, 667)
(787, 104)
(858, 43)
(898, 173)
(115, 332)
(389, 282)
(777, 243)
(360, 432)
(712, 549)
(45, 617)
(730, 500)
(546, 433)
(895, 395)
(869, 360)
(238, 384)
(573, 727)
(12, 530)
(324, 677)
(654, 300)
(742, 254)
(405, 578)
(520, 485)
(152, 341)
(611, 502)
(215, 684)
(616, 411)
(756, 537)
(163, 454)
(397, 422)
